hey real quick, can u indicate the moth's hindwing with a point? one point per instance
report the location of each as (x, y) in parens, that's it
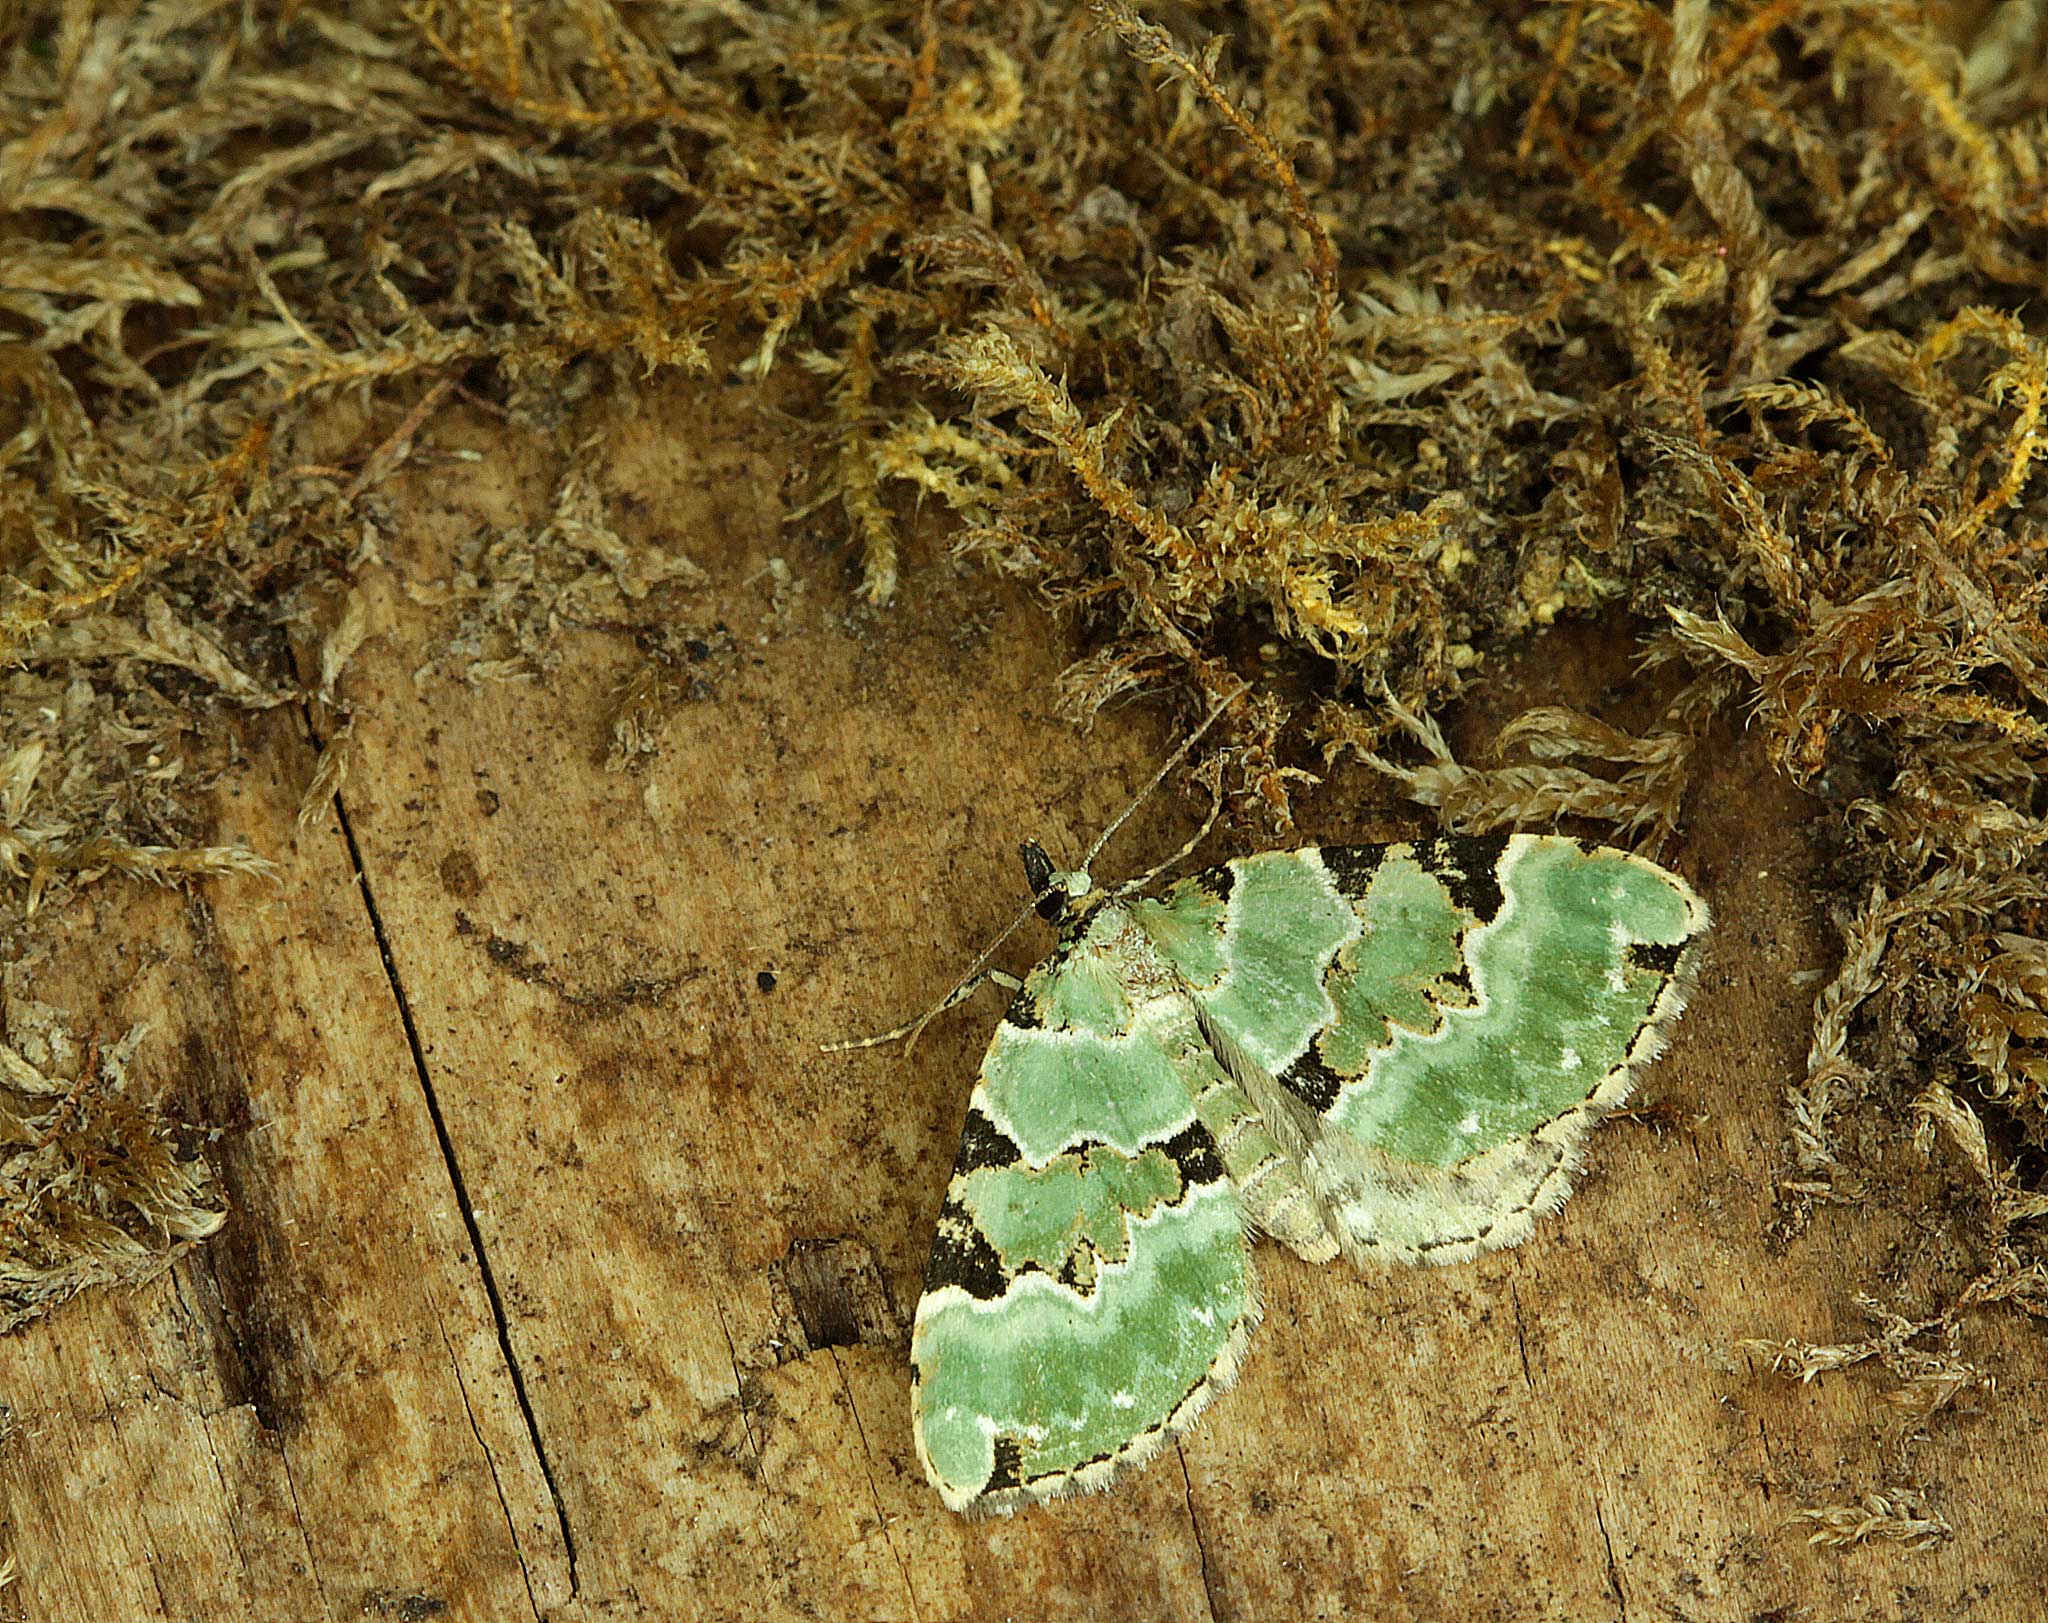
(1090, 1285)
(1430, 1030)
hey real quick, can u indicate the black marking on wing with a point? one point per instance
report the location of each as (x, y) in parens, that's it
(983, 1144)
(961, 1255)
(1468, 867)
(1352, 866)
(1056, 960)
(1660, 956)
(1461, 978)
(1023, 1012)
(1193, 1150)
(1311, 1081)
(1215, 883)
(1008, 1470)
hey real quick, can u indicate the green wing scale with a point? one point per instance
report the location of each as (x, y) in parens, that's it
(1393, 1052)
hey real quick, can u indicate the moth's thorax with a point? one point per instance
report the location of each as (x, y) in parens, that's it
(1104, 928)
(1099, 921)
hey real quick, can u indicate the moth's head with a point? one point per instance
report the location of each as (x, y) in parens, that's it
(1053, 893)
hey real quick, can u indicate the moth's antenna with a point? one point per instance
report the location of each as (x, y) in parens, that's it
(974, 977)
(1159, 777)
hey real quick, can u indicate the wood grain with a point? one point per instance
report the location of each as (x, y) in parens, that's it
(566, 1279)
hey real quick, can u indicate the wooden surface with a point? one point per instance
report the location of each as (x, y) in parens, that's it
(566, 1279)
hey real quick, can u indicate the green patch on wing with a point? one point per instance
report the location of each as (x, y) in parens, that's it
(1560, 996)
(1286, 920)
(1188, 927)
(1397, 976)
(1073, 1216)
(1082, 992)
(1051, 1091)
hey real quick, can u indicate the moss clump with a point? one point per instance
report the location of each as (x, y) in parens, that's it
(92, 1188)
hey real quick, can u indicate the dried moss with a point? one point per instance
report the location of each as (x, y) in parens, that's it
(1377, 333)
(92, 1188)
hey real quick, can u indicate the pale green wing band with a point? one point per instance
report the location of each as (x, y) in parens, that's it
(1050, 1389)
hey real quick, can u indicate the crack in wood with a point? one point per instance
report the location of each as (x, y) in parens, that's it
(499, 1318)
(226, 1498)
(1613, 1566)
(1195, 1523)
(291, 1486)
(1521, 1335)
(739, 1388)
(490, 1461)
(874, 1492)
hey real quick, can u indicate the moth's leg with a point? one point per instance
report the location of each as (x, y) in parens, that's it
(910, 1028)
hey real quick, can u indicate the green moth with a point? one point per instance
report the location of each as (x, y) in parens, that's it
(1385, 1051)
